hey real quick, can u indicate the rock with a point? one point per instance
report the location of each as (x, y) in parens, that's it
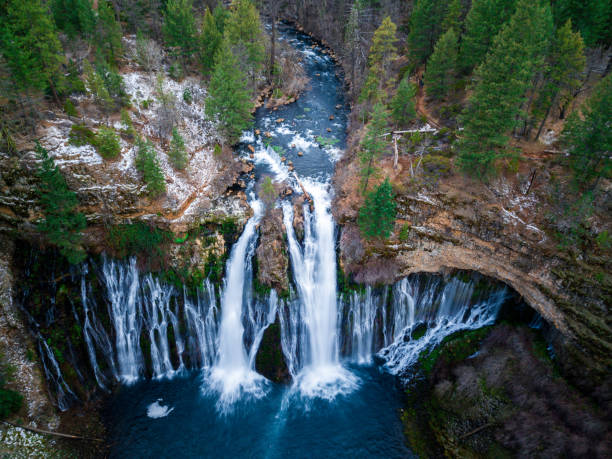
(257, 131)
(331, 117)
(291, 168)
(298, 217)
(270, 360)
(338, 107)
(300, 153)
(290, 163)
(252, 148)
(268, 134)
(280, 120)
(252, 155)
(283, 159)
(292, 145)
(329, 130)
(272, 261)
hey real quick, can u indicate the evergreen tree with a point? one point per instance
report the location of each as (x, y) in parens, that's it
(221, 15)
(592, 18)
(210, 40)
(562, 76)
(588, 137)
(402, 105)
(452, 20)
(148, 164)
(374, 143)
(380, 58)
(177, 153)
(502, 81)
(108, 33)
(62, 224)
(440, 73)
(74, 17)
(377, 216)
(179, 27)
(425, 27)
(228, 96)
(244, 33)
(30, 46)
(482, 23)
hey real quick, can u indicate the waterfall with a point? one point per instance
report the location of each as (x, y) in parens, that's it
(96, 338)
(313, 318)
(233, 372)
(122, 283)
(423, 311)
(201, 320)
(53, 374)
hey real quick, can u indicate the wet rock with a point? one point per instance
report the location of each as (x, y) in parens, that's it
(272, 260)
(270, 360)
(298, 217)
(252, 148)
(300, 153)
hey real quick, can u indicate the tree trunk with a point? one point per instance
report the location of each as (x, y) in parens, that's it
(543, 121)
(272, 49)
(396, 154)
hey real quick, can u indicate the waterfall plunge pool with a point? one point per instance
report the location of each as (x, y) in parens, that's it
(363, 423)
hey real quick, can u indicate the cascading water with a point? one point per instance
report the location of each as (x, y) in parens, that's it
(423, 310)
(314, 270)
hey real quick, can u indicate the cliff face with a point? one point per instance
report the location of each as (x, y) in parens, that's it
(17, 349)
(113, 191)
(499, 229)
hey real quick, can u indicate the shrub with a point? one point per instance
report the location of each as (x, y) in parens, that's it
(436, 165)
(148, 164)
(187, 96)
(267, 192)
(70, 109)
(137, 238)
(107, 143)
(81, 135)
(177, 153)
(10, 402)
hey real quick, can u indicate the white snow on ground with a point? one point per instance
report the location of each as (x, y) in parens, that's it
(94, 172)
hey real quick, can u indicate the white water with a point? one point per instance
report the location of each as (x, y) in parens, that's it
(233, 373)
(155, 410)
(314, 360)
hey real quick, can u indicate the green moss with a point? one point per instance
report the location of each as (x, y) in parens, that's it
(137, 238)
(454, 348)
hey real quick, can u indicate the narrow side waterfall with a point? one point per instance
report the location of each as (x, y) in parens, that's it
(315, 358)
(233, 373)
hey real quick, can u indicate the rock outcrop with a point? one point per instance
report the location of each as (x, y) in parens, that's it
(497, 229)
(272, 259)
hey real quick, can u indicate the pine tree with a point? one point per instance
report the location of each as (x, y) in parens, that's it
(589, 138)
(62, 223)
(30, 46)
(177, 153)
(374, 143)
(377, 216)
(228, 96)
(502, 81)
(381, 56)
(180, 28)
(108, 33)
(74, 17)
(440, 73)
(591, 17)
(402, 105)
(482, 23)
(425, 27)
(452, 20)
(148, 164)
(210, 40)
(562, 76)
(243, 31)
